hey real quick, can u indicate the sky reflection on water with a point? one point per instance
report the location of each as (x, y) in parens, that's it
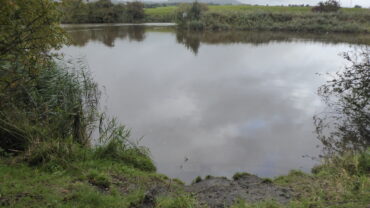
(239, 103)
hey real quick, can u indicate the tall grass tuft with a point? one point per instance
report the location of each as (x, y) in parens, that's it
(52, 121)
(60, 103)
(114, 144)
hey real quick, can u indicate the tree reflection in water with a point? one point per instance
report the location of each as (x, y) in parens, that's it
(106, 34)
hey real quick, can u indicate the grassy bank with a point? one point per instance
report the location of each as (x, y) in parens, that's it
(343, 182)
(280, 18)
(59, 149)
(90, 182)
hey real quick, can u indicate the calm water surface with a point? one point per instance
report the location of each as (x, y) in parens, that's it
(214, 103)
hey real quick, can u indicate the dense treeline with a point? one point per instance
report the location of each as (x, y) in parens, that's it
(102, 11)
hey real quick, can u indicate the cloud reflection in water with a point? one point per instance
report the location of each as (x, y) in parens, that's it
(237, 105)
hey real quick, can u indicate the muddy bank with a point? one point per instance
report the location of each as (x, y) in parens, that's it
(221, 192)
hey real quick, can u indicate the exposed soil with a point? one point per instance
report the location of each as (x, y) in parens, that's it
(221, 192)
(216, 192)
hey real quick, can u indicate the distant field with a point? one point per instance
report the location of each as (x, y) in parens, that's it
(160, 10)
(247, 8)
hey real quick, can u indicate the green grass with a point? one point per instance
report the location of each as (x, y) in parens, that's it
(92, 183)
(180, 201)
(248, 8)
(160, 10)
(340, 182)
(160, 14)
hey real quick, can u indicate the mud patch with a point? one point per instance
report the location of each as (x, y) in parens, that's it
(217, 192)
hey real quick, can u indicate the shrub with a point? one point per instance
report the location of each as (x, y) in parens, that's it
(346, 127)
(327, 6)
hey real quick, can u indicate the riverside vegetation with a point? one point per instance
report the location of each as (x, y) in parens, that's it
(102, 11)
(49, 115)
(326, 17)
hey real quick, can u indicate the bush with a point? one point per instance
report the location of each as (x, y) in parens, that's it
(327, 6)
(346, 126)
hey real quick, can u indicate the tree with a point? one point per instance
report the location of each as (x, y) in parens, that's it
(135, 11)
(74, 11)
(190, 12)
(327, 6)
(102, 11)
(29, 30)
(348, 98)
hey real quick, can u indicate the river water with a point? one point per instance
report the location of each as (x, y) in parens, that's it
(214, 103)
